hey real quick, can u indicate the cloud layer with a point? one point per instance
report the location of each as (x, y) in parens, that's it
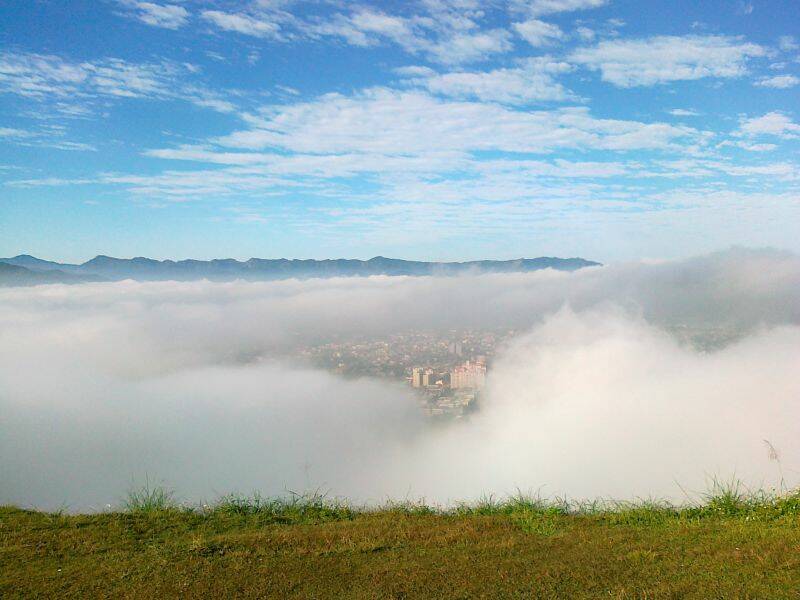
(611, 387)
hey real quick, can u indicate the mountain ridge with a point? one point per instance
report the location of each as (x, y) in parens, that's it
(103, 267)
(12, 275)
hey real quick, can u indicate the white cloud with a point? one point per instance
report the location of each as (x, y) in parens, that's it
(538, 33)
(773, 123)
(662, 59)
(348, 164)
(447, 37)
(11, 132)
(37, 75)
(683, 112)
(586, 34)
(317, 165)
(167, 16)
(532, 81)
(788, 43)
(184, 185)
(784, 171)
(390, 122)
(415, 71)
(216, 104)
(749, 146)
(780, 82)
(47, 137)
(446, 34)
(392, 27)
(366, 28)
(548, 7)
(288, 90)
(463, 47)
(241, 23)
(45, 76)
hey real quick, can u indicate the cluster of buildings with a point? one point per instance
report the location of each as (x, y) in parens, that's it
(452, 405)
(454, 360)
(468, 375)
(450, 393)
(394, 356)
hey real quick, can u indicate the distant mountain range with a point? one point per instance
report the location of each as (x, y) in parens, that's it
(13, 275)
(29, 270)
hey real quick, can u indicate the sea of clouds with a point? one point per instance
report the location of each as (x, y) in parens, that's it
(188, 384)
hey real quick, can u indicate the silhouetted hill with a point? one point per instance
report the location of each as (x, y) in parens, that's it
(147, 269)
(37, 264)
(15, 275)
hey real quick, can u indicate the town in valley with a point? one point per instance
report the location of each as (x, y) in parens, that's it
(446, 369)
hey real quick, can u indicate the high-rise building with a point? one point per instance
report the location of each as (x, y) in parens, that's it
(416, 377)
(455, 348)
(468, 375)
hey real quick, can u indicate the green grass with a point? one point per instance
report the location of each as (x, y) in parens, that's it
(732, 544)
(297, 508)
(149, 499)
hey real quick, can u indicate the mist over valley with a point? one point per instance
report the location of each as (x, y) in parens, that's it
(629, 380)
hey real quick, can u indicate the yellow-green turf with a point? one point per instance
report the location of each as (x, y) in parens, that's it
(176, 553)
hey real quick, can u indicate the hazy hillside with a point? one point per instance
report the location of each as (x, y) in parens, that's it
(15, 275)
(147, 269)
(37, 264)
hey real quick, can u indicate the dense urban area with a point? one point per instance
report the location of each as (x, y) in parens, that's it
(446, 369)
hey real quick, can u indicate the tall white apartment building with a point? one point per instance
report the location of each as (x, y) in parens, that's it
(468, 375)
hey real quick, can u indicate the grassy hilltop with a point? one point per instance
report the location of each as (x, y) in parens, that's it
(731, 546)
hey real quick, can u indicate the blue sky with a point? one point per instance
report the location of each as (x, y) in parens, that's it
(437, 129)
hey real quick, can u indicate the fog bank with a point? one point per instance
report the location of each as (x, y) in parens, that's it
(188, 384)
